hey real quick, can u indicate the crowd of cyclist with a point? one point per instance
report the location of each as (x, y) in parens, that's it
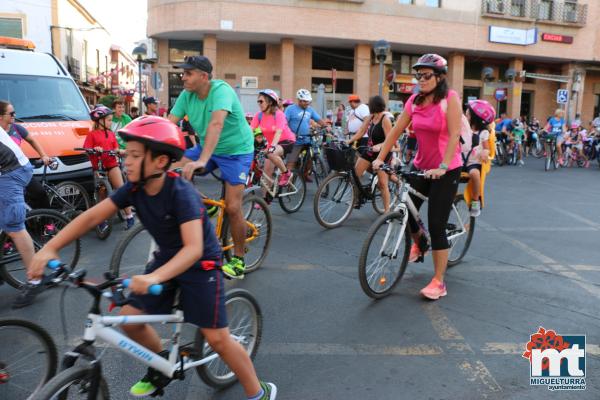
(218, 134)
(521, 138)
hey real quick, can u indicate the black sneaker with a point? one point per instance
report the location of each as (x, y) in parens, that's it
(28, 293)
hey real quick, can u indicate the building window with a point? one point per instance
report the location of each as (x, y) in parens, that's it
(433, 3)
(342, 85)
(517, 8)
(406, 1)
(473, 69)
(258, 51)
(545, 10)
(179, 49)
(402, 63)
(328, 58)
(596, 106)
(570, 11)
(11, 27)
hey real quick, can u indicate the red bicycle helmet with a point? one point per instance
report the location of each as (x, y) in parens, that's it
(483, 110)
(433, 61)
(156, 133)
(99, 112)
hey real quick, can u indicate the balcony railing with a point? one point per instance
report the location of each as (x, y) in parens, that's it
(560, 12)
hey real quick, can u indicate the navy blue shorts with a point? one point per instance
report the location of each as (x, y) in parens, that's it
(202, 297)
(234, 169)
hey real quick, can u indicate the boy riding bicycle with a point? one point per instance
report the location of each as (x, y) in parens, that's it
(188, 256)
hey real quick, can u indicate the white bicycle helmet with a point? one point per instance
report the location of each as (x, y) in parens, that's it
(303, 94)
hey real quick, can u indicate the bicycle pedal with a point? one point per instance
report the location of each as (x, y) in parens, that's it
(420, 259)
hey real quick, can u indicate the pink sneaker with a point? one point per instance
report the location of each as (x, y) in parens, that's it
(415, 252)
(434, 290)
(284, 178)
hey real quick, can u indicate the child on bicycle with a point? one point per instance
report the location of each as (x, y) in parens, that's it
(574, 139)
(480, 114)
(188, 255)
(101, 138)
(516, 140)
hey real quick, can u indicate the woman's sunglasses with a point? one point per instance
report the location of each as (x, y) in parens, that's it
(260, 101)
(426, 75)
(12, 113)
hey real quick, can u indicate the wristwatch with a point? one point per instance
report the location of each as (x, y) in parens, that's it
(443, 166)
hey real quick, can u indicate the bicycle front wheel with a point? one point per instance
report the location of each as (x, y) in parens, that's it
(384, 255)
(245, 327)
(42, 225)
(334, 200)
(72, 199)
(72, 384)
(291, 196)
(459, 230)
(133, 253)
(259, 228)
(28, 358)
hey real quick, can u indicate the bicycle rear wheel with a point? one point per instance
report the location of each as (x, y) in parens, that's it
(72, 383)
(245, 326)
(334, 200)
(258, 232)
(74, 199)
(102, 231)
(42, 225)
(384, 254)
(28, 358)
(290, 203)
(320, 169)
(133, 253)
(459, 230)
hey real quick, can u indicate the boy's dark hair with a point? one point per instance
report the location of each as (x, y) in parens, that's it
(439, 93)
(376, 104)
(154, 154)
(476, 123)
(117, 102)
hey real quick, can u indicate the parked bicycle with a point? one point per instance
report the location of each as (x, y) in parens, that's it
(384, 255)
(342, 191)
(136, 249)
(82, 374)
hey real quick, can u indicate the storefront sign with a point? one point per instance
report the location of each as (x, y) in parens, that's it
(522, 37)
(404, 87)
(551, 37)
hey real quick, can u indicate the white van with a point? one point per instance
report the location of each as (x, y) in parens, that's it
(49, 104)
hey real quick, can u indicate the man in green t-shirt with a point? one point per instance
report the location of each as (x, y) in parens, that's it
(226, 142)
(120, 119)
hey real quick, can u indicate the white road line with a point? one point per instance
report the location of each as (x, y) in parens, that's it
(576, 217)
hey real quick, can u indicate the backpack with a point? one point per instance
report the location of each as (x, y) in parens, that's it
(466, 136)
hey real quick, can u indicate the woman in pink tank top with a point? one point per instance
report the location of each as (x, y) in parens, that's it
(435, 114)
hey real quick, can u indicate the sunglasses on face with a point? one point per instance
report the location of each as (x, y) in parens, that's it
(260, 101)
(426, 75)
(12, 113)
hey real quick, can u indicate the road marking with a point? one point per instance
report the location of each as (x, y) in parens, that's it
(553, 264)
(441, 323)
(337, 349)
(576, 217)
(497, 348)
(475, 371)
(544, 229)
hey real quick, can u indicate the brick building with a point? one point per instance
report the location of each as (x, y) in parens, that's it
(523, 49)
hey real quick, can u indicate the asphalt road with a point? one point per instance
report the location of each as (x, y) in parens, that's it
(533, 262)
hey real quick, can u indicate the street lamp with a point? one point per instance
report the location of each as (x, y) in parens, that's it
(140, 52)
(381, 49)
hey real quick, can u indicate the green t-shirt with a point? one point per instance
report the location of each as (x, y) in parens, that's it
(236, 137)
(518, 134)
(118, 123)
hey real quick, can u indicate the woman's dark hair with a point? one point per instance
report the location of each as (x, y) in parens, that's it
(4, 106)
(376, 104)
(476, 123)
(439, 93)
(273, 106)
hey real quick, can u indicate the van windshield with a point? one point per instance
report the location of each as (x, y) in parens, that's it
(42, 98)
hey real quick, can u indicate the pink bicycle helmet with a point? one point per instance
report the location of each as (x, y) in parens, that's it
(99, 112)
(574, 125)
(288, 102)
(270, 93)
(483, 110)
(433, 61)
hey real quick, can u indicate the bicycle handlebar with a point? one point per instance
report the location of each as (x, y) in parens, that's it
(96, 152)
(155, 289)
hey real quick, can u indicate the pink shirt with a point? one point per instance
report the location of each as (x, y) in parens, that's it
(270, 125)
(431, 129)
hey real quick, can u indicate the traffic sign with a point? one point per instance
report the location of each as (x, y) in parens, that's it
(156, 81)
(500, 94)
(562, 96)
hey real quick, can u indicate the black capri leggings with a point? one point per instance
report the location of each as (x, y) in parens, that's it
(441, 193)
(35, 195)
